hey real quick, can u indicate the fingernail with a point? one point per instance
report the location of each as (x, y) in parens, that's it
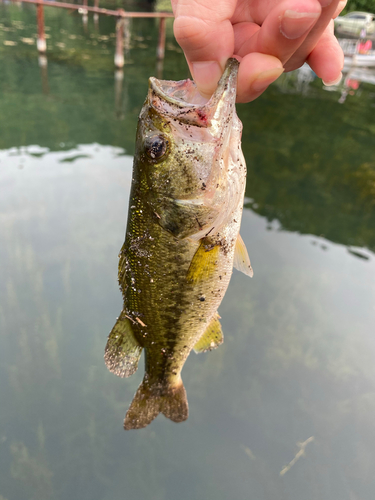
(295, 24)
(265, 78)
(333, 82)
(206, 74)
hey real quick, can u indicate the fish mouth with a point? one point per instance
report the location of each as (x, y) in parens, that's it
(182, 101)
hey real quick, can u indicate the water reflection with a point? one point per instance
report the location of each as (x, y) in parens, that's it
(290, 368)
(315, 175)
(299, 81)
(359, 67)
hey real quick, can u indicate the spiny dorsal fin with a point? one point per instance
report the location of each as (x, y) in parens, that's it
(203, 263)
(241, 258)
(211, 338)
(122, 351)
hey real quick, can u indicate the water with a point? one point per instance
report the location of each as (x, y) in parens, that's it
(297, 365)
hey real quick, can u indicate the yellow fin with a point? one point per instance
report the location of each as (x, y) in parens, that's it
(212, 337)
(241, 258)
(203, 263)
(122, 351)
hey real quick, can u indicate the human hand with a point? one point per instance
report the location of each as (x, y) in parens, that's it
(267, 36)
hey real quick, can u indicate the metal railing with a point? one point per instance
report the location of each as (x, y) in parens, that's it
(121, 26)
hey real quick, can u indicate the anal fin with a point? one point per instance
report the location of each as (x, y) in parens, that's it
(211, 338)
(122, 351)
(241, 258)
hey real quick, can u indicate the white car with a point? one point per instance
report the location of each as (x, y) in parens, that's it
(354, 22)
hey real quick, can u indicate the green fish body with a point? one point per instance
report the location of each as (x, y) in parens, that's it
(182, 239)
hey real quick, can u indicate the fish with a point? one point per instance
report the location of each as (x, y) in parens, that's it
(182, 239)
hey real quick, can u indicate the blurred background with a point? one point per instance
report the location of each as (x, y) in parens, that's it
(285, 408)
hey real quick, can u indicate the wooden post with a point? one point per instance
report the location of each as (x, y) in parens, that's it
(85, 19)
(85, 15)
(96, 15)
(159, 68)
(41, 41)
(161, 42)
(126, 21)
(83, 10)
(119, 77)
(119, 54)
(42, 59)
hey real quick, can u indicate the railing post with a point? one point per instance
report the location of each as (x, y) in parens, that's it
(41, 41)
(161, 42)
(119, 54)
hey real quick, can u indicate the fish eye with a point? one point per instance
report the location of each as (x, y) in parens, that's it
(156, 146)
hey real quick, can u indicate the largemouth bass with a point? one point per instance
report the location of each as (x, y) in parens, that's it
(182, 239)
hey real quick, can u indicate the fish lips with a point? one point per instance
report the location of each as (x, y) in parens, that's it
(181, 100)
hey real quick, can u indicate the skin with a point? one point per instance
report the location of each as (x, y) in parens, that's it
(266, 36)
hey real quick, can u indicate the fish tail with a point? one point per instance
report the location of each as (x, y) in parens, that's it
(150, 400)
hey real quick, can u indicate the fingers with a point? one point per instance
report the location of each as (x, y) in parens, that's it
(296, 31)
(283, 31)
(292, 32)
(207, 47)
(204, 32)
(327, 58)
(341, 5)
(256, 73)
(308, 45)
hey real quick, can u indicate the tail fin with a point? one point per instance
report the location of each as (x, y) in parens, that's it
(150, 400)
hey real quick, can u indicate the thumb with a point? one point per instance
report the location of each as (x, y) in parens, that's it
(206, 36)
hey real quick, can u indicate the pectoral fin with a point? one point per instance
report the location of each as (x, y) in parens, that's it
(122, 351)
(212, 337)
(241, 258)
(204, 262)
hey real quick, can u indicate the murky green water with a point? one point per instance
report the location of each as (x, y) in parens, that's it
(298, 357)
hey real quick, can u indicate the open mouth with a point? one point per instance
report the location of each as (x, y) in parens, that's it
(183, 101)
(180, 93)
